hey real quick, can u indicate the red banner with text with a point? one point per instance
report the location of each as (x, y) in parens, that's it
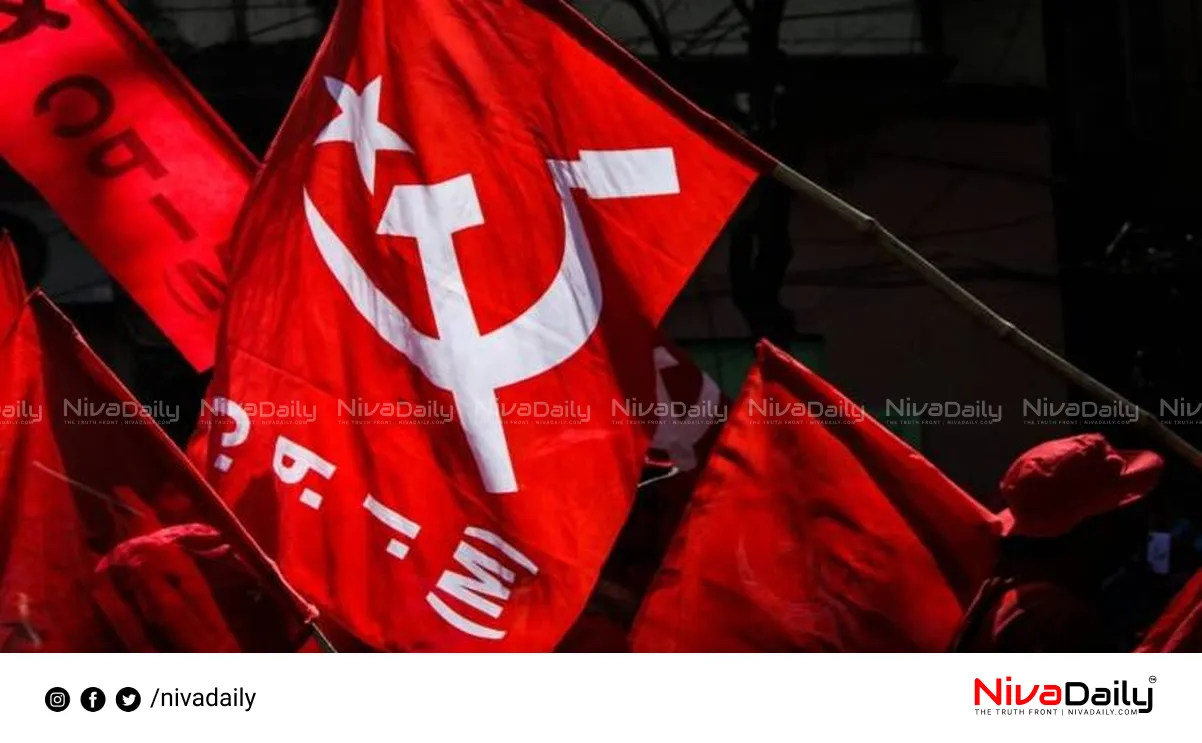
(132, 159)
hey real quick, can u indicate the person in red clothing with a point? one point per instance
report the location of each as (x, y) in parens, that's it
(1068, 527)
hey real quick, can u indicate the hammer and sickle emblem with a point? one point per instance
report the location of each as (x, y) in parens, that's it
(28, 15)
(470, 364)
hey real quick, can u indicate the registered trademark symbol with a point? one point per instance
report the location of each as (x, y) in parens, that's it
(1151, 679)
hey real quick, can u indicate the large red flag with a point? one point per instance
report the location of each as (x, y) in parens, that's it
(445, 284)
(815, 528)
(1179, 628)
(128, 154)
(109, 539)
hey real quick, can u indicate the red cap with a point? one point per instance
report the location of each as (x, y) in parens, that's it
(1058, 484)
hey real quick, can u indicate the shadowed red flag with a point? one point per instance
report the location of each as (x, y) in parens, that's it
(109, 539)
(815, 528)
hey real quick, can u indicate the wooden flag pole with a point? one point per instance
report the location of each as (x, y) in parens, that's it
(1003, 328)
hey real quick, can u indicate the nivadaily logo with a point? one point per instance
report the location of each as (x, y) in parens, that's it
(1068, 698)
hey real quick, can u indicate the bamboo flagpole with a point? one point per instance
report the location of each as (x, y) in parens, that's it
(1003, 328)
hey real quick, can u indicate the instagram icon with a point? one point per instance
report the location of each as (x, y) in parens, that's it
(57, 699)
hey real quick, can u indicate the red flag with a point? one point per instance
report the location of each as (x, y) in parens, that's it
(109, 539)
(472, 219)
(128, 154)
(815, 528)
(1179, 628)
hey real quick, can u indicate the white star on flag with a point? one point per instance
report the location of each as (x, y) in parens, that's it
(358, 122)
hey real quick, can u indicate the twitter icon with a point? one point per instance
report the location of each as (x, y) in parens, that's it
(128, 699)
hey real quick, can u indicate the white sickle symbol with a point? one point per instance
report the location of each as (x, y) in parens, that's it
(471, 365)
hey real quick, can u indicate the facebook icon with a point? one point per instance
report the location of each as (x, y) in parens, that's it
(92, 699)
